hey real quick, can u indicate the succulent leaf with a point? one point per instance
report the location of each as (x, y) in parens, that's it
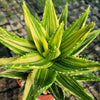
(7, 33)
(63, 16)
(28, 28)
(32, 58)
(56, 38)
(72, 43)
(36, 29)
(73, 86)
(54, 44)
(48, 58)
(57, 92)
(7, 60)
(9, 73)
(20, 68)
(38, 81)
(90, 37)
(52, 54)
(86, 77)
(29, 61)
(45, 44)
(77, 25)
(75, 66)
(49, 20)
(18, 45)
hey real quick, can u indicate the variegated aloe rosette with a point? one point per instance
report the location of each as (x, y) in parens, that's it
(48, 59)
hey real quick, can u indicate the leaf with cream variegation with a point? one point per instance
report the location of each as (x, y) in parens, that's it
(48, 58)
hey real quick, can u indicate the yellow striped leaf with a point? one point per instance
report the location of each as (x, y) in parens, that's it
(7, 60)
(29, 61)
(35, 28)
(28, 28)
(20, 68)
(66, 81)
(63, 16)
(56, 38)
(78, 24)
(7, 33)
(54, 44)
(45, 44)
(9, 73)
(38, 81)
(18, 45)
(72, 43)
(75, 66)
(52, 54)
(57, 92)
(90, 37)
(86, 77)
(49, 20)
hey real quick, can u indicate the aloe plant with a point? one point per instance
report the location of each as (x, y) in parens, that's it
(49, 58)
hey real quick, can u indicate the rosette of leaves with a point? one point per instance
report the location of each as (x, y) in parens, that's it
(49, 59)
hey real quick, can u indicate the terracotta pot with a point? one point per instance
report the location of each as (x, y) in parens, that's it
(45, 97)
(19, 83)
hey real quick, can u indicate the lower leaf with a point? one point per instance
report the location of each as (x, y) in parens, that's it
(57, 92)
(9, 73)
(38, 81)
(18, 45)
(28, 62)
(73, 86)
(74, 65)
(86, 77)
(7, 60)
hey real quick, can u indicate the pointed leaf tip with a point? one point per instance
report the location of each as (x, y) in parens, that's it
(77, 25)
(49, 20)
(90, 37)
(63, 16)
(72, 43)
(56, 38)
(67, 82)
(36, 31)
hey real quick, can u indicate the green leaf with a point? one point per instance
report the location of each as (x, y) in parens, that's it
(35, 28)
(9, 73)
(74, 65)
(27, 67)
(73, 86)
(18, 45)
(90, 37)
(7, 60)
(29, 61)
(52, 53)
(37, 17)
(32, 58)
(7, 33)
(86, 77)
(56, 38)
(63, 16)
(49, 20)
(45, 44)
(78, 24)
(38, 81)
(57, 92)
(72, 43)
(28, 28)
(19, 68)
(54, 44)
